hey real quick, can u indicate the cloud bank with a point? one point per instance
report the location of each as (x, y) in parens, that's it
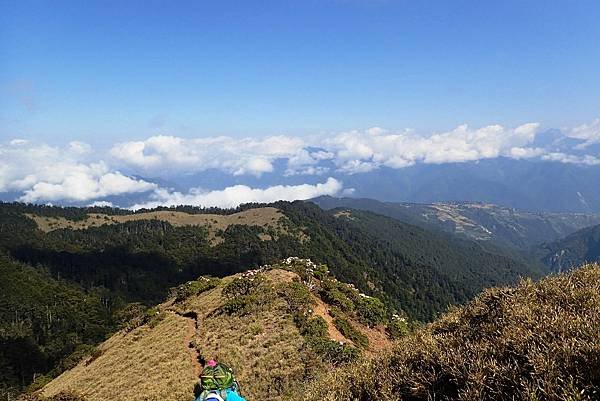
(77, 173)
(356, 151)
(236, 195)
(590, 133)
(171, 154)
(46, 173)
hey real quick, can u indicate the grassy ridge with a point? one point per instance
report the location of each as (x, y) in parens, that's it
(538, 341)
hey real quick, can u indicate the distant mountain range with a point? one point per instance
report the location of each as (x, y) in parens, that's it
(501, 225)
(531, 185)
(526, 185)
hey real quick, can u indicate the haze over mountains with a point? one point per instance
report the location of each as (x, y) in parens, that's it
(506, 227)
(518, 167)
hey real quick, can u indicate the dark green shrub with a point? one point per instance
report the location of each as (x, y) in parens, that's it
(321, 272)
(39, 382)
(297, 295)
(153, 317)
(333, 294)
(312, 327)
(398, 328)
(131, 316)
(334, 352)
(350, 332)
(240, 305)
(192, 288)
(242, 286)
(81, 351)
(370, 311)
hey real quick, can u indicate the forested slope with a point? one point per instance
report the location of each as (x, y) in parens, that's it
(573, 250)
(43, 320)
(503, 226)
(412, 270)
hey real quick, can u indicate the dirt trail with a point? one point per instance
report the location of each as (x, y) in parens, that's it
(192, 319)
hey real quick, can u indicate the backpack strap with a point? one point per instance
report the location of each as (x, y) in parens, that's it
(215, 395)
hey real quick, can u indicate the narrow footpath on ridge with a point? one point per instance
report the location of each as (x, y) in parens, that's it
(192, 319)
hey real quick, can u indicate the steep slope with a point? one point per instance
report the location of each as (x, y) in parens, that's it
(478, 221)
(262, 323)
(147, 363)
(43, 320)
(538, 341)
(419, 271)
(573, 250)
(137, 261)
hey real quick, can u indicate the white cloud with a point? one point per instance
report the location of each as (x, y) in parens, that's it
(80, 182)
(357, 151)
(173, 155)
(101, 204)
(525, 153)
(590, 133)
(234, 196)
(76, 172)
(46, 173)
(571, 159)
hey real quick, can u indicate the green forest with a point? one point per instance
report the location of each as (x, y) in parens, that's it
(66, 290)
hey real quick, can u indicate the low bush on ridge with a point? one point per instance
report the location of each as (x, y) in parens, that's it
(538, 341)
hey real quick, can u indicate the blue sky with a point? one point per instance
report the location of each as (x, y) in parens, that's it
(104, 71)
(220, 103)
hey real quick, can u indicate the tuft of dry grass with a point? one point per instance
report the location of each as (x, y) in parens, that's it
(538, 341)
(267, 217)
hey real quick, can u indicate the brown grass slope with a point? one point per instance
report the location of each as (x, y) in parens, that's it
(261, 217)
(159, 361)
(538, 341)
(144, 364)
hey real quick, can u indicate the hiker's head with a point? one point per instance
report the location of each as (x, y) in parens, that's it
(216, 376)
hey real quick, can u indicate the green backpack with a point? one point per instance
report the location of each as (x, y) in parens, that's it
(219, 377)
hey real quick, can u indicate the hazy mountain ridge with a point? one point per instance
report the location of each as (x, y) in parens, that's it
(578, 248)
(478, 221)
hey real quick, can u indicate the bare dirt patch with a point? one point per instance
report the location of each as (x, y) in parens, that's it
(320, 309)
(344, 213)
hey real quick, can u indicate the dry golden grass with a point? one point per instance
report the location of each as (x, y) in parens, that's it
(538, 341)
(264, 347)
(261, 217)
(144, 364)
